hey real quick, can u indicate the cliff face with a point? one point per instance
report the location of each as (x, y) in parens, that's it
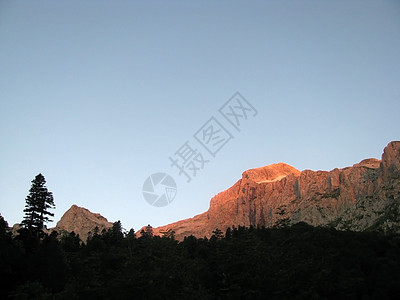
(365, 196)
(81, 221)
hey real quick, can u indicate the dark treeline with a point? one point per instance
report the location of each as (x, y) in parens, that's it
(298, 262)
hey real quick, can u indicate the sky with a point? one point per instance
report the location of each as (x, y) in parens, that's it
(99, 95)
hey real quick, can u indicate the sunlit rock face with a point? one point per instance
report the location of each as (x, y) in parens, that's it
(81, 221)
(365, 196)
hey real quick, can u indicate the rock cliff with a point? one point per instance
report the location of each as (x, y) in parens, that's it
(365, 196)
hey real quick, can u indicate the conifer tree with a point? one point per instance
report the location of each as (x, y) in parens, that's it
(147, 231)
(38, 202)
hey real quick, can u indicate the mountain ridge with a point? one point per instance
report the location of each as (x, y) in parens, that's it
(361, 197)
(364, 196)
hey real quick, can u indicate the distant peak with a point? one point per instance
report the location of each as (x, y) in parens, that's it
(82, 221)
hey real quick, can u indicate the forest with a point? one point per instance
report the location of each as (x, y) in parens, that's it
(297, 262)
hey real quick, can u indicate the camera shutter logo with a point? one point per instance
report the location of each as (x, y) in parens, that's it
(159, 189)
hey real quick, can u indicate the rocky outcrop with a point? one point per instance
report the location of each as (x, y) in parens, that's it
(365, 196)
(81, 221)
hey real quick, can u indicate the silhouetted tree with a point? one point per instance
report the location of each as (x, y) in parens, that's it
(4, 234)
(228, 233)
(131, 234)
(38, 202)
(147, 231)
(115, 233)
(117, 229)
(218, 234)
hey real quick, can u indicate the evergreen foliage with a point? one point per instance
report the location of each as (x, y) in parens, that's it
(38, 202)
(299, 262)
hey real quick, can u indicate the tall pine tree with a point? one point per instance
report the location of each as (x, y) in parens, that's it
(37, 204)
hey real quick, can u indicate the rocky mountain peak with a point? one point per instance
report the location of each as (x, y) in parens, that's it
(371, 163)
(269, 173)
(81, 221)
(391, 160)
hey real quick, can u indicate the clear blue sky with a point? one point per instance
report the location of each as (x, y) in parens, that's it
(96, 95)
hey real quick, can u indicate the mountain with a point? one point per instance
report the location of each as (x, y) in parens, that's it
(365, 196)
(81, 221)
